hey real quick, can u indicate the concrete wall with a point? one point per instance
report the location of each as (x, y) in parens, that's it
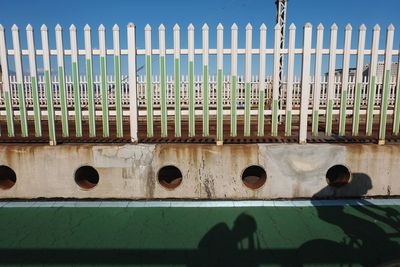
(209, 171)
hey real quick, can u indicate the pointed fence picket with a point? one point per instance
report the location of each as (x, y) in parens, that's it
(343, 101)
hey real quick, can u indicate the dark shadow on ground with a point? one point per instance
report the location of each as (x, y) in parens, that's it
(366, 243)
(222, 246)
(367, 240)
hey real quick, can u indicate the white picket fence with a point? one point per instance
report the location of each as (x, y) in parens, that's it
(177, 98)
(184, 95)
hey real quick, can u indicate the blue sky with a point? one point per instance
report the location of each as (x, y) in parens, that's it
(170, 12)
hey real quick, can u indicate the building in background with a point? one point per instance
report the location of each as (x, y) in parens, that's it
(379, 71)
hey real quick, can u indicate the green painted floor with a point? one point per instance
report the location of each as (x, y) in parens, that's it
(322, 235)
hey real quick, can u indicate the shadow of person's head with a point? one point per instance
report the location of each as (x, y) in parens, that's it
(244, 226)
(357, 185)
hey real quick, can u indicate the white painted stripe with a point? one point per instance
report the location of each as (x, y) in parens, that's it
(282, 203)
(198, 203)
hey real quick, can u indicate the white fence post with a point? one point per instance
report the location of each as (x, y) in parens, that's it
(190, 29)
(372, 79)
(275, 85)
(89, 79)
(345, 80)
(220, 59)
(290, 74)
(234, 46)
(20, 82)
(103, 77)
(331, 80)
(206, 131)
(49, 87)
(396, 118)
(317, 79)
(261, 86)
(6, 83)
(386, 80)
(33, 73)
(177, 52)
(161, 41)
(61, 80)
(305, 83)
(133, 105)
(247, 79)
(359, 79)
(76, 84)
(117, 74)
(149, 86)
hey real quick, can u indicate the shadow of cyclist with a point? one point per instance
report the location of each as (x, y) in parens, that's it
(363, 223)
(222, 246)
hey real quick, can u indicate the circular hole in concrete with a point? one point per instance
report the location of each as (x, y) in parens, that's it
(338, 175)
(170, 177)
(86, 177)
(254, 177)
(8, 178)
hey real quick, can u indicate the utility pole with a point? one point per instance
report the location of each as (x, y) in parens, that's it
(281, 7)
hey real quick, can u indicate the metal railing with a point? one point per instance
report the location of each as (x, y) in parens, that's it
(350, 95)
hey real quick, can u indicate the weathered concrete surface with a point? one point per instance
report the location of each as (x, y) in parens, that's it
(209, 171)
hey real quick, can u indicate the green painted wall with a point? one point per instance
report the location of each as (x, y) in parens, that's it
(318, 235)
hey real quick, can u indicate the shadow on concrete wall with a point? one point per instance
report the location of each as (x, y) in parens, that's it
(357, 187)
(365, 242)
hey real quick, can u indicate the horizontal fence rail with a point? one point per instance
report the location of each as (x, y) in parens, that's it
(188, 93)
(184, 97)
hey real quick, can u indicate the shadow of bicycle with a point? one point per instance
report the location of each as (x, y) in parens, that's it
(365, 240)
